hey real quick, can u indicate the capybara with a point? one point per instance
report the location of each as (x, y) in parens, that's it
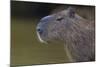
(76, 33)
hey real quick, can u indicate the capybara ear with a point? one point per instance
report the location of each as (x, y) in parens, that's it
(71, 12)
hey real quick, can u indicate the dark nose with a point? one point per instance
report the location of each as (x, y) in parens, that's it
(40, 31)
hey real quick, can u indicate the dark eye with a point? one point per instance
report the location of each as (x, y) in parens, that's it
(59, 19)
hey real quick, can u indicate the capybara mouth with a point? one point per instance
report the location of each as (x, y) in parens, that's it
(40, 39)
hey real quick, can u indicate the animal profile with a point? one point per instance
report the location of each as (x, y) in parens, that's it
(76, 33)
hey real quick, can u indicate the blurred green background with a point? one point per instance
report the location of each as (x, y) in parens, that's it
(26, 49)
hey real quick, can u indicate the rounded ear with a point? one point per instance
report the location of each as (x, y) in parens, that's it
(71, 12)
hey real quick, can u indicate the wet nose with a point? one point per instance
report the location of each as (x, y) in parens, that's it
(40, 30)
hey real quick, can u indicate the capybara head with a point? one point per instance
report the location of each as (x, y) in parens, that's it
(53, 27)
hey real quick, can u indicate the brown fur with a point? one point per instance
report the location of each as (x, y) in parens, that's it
(76, 32)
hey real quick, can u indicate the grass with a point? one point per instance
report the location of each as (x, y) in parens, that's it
(26, 48)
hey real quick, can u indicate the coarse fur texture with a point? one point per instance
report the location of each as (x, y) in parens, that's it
(75, 32)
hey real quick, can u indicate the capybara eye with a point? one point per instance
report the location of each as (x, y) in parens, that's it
(59, 19)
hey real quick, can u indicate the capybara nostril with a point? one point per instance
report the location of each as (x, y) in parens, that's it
(40, 31)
